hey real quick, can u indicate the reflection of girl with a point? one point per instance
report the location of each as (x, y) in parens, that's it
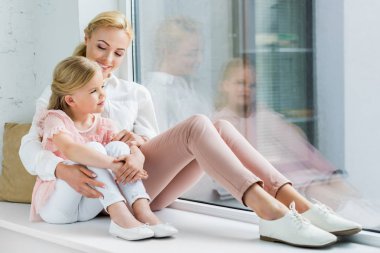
(283, 144)
(176, 158)
(178, 55)
(73, 130)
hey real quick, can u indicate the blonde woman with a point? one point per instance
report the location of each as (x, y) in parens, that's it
(178, 54)
(178, 157)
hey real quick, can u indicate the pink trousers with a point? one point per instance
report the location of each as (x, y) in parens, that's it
(176, 159)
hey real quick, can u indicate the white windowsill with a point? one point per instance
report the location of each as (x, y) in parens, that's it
(197, 232)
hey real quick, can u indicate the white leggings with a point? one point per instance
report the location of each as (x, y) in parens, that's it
(66, 205)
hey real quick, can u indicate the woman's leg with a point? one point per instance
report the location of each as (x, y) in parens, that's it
(197, 139)
(274, 182)
(167, 155)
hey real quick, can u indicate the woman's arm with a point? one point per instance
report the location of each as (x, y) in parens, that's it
(83, 154)
(146, 122)
(35, 159)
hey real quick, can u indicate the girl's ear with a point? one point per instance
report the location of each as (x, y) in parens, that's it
(85, 40)
(69, 100)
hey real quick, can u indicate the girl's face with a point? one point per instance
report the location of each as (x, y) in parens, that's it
(240, 87)
(90, 98)
(107, 46)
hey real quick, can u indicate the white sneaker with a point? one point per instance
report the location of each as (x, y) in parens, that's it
(295, 230)
(326, 219)
(163, 230)
(131, 234)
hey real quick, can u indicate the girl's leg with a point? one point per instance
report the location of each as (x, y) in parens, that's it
(137, 197)
(113, 200)
(134, 193)
(65, 205)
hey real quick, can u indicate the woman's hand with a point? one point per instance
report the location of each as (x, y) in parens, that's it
(130, 138)
(80, 179)
(132, 169)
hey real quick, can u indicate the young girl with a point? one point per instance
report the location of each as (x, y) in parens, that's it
(73, 129)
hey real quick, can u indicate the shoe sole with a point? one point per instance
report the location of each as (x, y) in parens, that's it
(347, 232)
(270, 239)
(132, 239)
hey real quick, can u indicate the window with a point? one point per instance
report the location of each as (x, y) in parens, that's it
(251, 62)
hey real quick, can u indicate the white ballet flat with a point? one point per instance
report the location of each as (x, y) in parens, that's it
(163, 230)
(131, 234)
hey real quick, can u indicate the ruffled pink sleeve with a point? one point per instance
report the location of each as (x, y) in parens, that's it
(51, 123)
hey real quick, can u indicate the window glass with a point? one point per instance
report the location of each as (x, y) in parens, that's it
(250, 62)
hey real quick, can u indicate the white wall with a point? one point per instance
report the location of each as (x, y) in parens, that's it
(34, 36)
(347, 82)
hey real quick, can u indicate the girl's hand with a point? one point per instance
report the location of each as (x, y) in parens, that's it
(130, 138)
(132, 170)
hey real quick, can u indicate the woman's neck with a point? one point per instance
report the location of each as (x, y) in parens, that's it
(242, 111)
(82, 121)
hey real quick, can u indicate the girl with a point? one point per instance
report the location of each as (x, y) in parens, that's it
(178, 157)
(72, 129)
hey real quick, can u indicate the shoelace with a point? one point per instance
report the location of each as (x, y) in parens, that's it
(297, 218)
(325, 209)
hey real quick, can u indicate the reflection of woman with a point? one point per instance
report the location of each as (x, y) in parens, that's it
(176, 158)
(178, 55)
(283, 144)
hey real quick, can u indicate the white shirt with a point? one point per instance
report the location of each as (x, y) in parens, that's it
(128, 104)
(174, 98)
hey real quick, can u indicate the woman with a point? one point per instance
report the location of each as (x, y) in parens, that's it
(176, 159)
(178, 54)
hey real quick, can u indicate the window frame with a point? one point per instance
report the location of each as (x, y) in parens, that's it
(128, 7)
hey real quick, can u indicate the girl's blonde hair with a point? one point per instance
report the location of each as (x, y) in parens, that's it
(171, 32)
(113, 19)
(226, 74)
(70, 75)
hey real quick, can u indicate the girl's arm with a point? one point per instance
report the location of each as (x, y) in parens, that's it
(83, 154)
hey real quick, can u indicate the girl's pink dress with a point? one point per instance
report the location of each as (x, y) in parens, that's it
(55, 121)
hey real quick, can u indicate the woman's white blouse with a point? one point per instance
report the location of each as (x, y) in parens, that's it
(129, 104)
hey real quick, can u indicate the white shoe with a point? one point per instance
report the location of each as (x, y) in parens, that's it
(131, 234)
(163, 230)
(295, 230)
(326, 219)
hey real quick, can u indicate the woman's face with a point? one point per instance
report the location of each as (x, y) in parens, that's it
(107, 46)
(240, 88)
(185, 57)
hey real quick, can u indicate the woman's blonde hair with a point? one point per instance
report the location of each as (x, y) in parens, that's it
(226, 74)
(171, 32)
(113, 19)
(70, 75)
